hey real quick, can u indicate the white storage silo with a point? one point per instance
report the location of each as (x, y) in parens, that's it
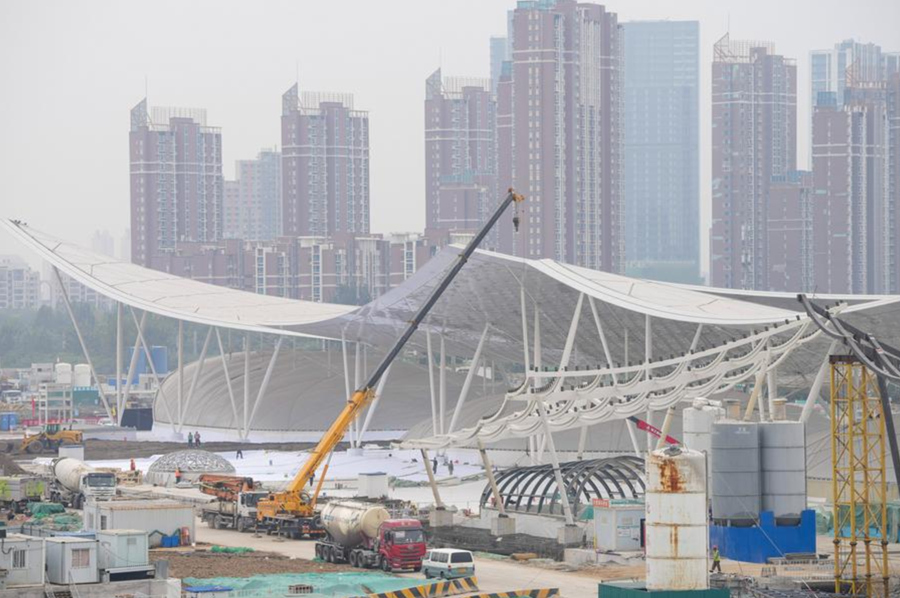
(81, 376)
(735, 482)
(63, 373)
(783, 463)
(697, 421)
(676, 529)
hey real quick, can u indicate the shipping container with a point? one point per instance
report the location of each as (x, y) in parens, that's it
(72, 560)
(23, 559)
(158, 517)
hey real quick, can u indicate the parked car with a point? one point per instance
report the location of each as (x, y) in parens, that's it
(448, 563)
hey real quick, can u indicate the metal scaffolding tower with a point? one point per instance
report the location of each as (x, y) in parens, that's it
(859, 485)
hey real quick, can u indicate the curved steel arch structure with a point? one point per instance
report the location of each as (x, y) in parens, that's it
(534, 490)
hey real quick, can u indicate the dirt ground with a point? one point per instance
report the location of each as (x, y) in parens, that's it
(119, 449)
(203, 564)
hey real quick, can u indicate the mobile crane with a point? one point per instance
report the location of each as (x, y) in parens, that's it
(292, 511)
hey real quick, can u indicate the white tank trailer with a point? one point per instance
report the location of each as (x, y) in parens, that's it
(676, 530)
(353, 523)
(75, 480)
(364, 535)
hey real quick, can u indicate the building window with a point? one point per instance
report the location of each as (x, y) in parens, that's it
(81, 558)
(19, 560)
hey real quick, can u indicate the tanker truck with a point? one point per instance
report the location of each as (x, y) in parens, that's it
(75, 481)
(365, 536)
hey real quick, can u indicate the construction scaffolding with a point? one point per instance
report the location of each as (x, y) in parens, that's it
(859, 485)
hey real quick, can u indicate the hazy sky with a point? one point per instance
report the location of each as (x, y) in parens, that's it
(71, 71)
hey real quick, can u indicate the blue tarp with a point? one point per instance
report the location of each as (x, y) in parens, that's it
(766, 540)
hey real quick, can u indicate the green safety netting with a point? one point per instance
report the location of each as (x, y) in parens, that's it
(45, 508)
(338, 585)
(231, 549)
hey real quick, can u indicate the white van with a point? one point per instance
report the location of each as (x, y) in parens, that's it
(448, 563)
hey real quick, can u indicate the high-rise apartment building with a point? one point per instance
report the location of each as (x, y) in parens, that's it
(176, 180)
(559, 133)
(460, 153)
(754, 138)
(848, 64)
(856, 161)
(20, 286)
(662, 153)
(789, 233)
(499, 55)
(325, 165)
(253, 208)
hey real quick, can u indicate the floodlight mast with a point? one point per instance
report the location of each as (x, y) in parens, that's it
(294, 501)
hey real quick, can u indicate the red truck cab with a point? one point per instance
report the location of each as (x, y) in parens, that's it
(401, 544)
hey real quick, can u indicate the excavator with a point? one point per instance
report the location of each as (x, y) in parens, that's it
(292, 511)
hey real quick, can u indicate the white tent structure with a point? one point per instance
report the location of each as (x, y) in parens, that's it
(544, 346)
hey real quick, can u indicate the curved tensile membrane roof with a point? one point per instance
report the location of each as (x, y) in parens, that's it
(486, 298)
(169, 295)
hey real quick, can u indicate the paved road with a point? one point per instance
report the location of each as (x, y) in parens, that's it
(493, 575)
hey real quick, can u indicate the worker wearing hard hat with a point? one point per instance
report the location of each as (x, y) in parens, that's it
(717, 560)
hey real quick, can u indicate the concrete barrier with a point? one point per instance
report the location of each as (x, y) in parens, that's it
(433, 590)
(541, 593)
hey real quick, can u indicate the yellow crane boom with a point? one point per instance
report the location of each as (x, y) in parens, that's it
(294, 501)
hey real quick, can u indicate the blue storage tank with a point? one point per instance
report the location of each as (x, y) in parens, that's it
(9, 421)
(160, 357)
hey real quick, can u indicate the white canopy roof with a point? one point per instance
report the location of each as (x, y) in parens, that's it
(172, 296)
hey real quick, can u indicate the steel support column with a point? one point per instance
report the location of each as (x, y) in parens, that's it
(431, 390)
(815, 391)
(438, 503)
(159, 385)
(84, 349)
(180, 350)
(264, 386)
(197, 373)
(554, 459)
(228, 381)
(246, 413)
(371, 412)
(119, 346)
(467, 384)
(489, 472)
(443, 385)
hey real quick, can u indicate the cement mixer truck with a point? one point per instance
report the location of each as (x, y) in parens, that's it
(75, 481)
(365, 536)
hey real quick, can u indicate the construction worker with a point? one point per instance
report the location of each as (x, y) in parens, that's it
(190, 439)
(450, 467)
(197, 438)
(133, 466)
(177, 475)
(239, 454)
(717, 560)
(434, 466)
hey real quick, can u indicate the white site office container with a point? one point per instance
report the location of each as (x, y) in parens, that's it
(120, 548)
(72, 560)
(157, 517)
(373, 485)
(617, 524)
(23, 559)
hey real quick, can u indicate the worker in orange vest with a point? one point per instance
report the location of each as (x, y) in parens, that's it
(177, 476)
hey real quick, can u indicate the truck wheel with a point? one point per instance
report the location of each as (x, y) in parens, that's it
(240, 525)
(427, 574)
(385, 565)
(353, 559)
(318, 551)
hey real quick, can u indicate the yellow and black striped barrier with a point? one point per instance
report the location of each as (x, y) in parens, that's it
(541, 593)
(435, 589)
